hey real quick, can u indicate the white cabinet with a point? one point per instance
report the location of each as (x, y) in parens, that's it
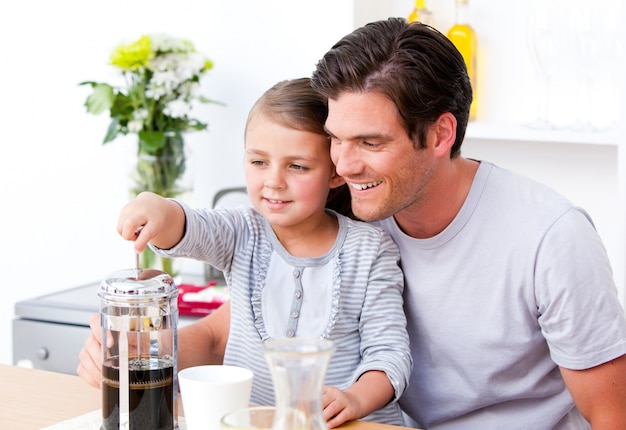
(589, 168)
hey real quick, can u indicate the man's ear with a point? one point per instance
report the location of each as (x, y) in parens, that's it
(445, 133)
(336, 181)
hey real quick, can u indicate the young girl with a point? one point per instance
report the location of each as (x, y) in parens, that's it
(295, 268)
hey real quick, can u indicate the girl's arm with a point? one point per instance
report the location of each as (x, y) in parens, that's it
(204, 341)
(369, 393)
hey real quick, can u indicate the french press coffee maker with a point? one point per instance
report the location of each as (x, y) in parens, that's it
(139, 312)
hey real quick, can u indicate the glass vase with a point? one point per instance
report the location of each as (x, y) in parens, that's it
(164, 172)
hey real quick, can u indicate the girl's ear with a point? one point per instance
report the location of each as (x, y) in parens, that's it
(336, 180)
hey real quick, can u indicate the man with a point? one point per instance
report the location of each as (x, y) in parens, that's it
(511, 307)
(512, 311)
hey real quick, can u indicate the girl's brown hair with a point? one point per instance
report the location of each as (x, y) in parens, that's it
(294, 104)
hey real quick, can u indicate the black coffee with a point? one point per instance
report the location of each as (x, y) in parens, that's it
(150, 398)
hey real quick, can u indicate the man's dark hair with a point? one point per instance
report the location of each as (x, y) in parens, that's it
(414, 65)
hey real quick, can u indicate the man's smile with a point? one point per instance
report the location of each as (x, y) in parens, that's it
(361, 187)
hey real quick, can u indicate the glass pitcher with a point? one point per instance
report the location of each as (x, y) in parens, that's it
(139, 311)
(298, 366)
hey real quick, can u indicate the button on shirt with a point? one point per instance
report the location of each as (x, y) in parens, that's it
(296, 301)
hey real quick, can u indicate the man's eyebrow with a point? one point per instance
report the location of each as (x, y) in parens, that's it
(363, 137)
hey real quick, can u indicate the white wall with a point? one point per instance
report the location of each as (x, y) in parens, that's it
(61, 188)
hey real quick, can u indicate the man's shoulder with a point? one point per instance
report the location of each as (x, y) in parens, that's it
(522, 188)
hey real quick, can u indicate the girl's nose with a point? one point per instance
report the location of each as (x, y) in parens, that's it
(274, 180)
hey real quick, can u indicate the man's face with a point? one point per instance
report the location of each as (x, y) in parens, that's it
(372, 151)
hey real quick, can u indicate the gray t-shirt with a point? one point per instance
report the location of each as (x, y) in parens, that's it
(517, 285)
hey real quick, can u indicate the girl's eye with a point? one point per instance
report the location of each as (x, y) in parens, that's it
(257, 162)
(299, 167)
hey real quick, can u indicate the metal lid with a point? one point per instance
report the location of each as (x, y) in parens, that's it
(131, 284)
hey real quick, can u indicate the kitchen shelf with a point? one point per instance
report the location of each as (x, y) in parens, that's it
(486, 130)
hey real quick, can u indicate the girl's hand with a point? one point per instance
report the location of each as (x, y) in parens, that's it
(151, 218)
(369, 393)
(339, 406)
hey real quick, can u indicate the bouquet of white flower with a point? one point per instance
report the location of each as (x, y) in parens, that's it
(162, 75)
(162, 80)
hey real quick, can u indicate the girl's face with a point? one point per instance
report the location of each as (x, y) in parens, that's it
(288, 173)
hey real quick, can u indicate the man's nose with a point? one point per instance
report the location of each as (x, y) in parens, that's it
(346, 159)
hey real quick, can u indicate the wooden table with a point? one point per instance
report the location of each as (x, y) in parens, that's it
(31, 399)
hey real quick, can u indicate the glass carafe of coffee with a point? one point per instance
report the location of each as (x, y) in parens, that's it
(139, 313)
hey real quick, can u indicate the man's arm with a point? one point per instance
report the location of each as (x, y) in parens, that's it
(600, 393)
(204, 341)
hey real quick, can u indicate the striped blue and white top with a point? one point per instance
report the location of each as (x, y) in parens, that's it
(356, 287)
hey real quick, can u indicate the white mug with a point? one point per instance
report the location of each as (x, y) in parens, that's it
(210, 392)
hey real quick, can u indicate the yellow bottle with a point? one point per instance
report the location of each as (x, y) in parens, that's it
(464, 38)
(421, 13)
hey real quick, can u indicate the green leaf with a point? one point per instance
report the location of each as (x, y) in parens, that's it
(112, 130)
(151, 141)
(92, 83)
(122, 106)
(196, 125)
(203, 99)
(101, 99)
